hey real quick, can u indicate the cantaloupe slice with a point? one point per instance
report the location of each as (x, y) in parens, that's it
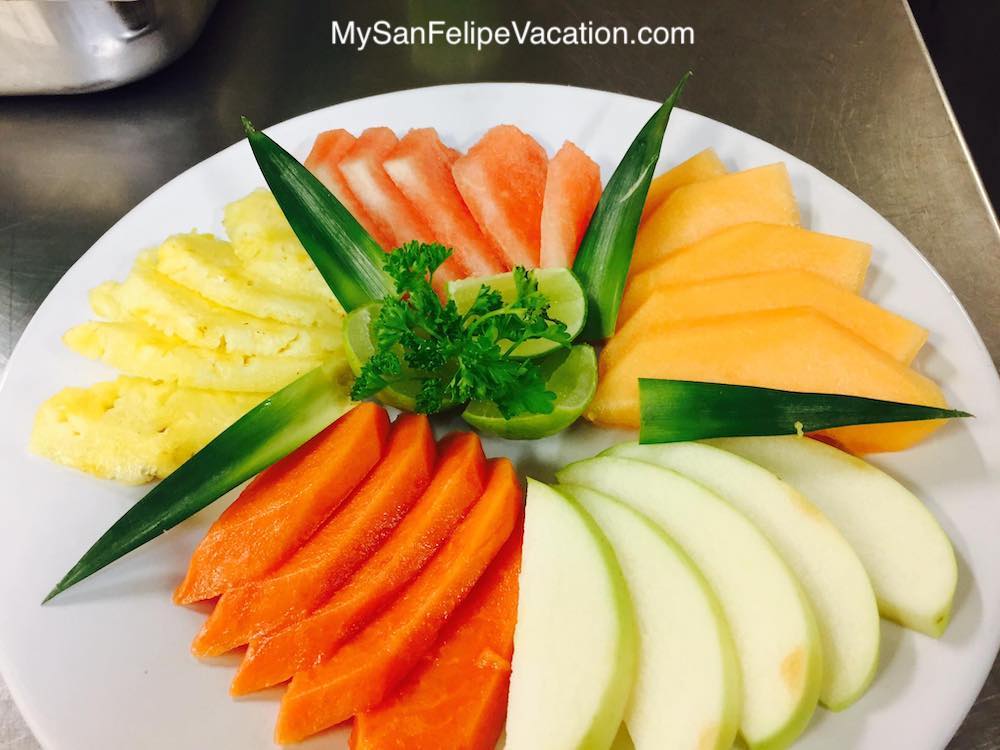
(572, 189)
(323, 161)
(502, 179)
(753, 248)
(392, 213)
(794, 349)
(702, 166)
(420, 166)
(896, 336)
(701, 209)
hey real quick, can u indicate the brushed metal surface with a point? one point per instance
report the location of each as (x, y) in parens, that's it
(75, 46)
(845, 86)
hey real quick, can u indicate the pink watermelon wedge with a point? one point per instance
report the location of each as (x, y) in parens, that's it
(362, 169)
(420, 166)
(502, 180)
(327, 151)
(572, 189)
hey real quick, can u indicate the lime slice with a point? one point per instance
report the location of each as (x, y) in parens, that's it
(358, 348)
(567, 302)
(570, 373)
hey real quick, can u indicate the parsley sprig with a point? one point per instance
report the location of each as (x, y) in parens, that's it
(458, 356)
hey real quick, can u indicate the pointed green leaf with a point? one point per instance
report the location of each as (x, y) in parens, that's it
(677, 410)
(346, 255)
(606, 249)
(267, 433)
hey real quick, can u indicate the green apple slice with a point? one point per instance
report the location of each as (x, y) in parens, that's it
(773, 627)
(827, 567)
(687, 691)
(908, 556)
(576, 641)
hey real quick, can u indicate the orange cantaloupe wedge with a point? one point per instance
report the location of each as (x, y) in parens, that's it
(457, 483)
(753, 248)
(332, 554)
(572, 190)
(502, 179)
(285, 505)
(702, 166)
(457, 695)
(703, 208)
(366, 670)
(895, 335)
(323, 161)
(796, 349)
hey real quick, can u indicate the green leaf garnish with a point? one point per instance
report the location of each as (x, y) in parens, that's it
(262, 436)
(605, 253)
(458, 356)
(348, 258)
(677, 410)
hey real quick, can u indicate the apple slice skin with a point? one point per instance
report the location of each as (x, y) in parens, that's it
(684, 638)
(826, 565)
(907, 554)
(777, 649)
(547, 570)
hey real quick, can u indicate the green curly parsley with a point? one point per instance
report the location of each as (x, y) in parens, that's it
(458, 357)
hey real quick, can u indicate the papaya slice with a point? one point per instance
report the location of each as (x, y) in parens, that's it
(572, 190)
(702, 166)
(366, 669)
(701, 209)
(895, 335)
(457, 695)
(420, 166)
(457, 483)
(753, 248)
(323, 161)
(796, 349)
(325, 562)
(285, 505)
(502, 180)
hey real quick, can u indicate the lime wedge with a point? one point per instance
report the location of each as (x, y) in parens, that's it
(358, 348)
(567, 302)
(570, 373)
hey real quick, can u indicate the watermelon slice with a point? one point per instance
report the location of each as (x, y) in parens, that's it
(502, 179)
(572, 189)
(327, 151)
(420, 166)
(392, 213)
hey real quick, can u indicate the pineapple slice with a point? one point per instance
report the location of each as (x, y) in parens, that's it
(210, 267)
(131, 429)
(139, 350)
(269, 249)
(151, 298)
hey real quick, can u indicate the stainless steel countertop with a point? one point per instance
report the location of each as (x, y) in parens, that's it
(845, 86)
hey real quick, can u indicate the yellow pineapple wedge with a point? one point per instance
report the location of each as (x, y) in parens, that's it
(150, 297)
(131, 429)
(269, 249)
(210, 267)
(141, 351)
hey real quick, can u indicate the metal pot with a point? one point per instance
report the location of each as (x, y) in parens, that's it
(75, 46)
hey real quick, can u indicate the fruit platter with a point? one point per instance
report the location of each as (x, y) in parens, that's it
(500, 416)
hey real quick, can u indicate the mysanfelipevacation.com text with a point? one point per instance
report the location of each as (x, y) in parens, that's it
(524, 33)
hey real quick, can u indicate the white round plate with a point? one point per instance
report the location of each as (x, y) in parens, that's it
(107, 665)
